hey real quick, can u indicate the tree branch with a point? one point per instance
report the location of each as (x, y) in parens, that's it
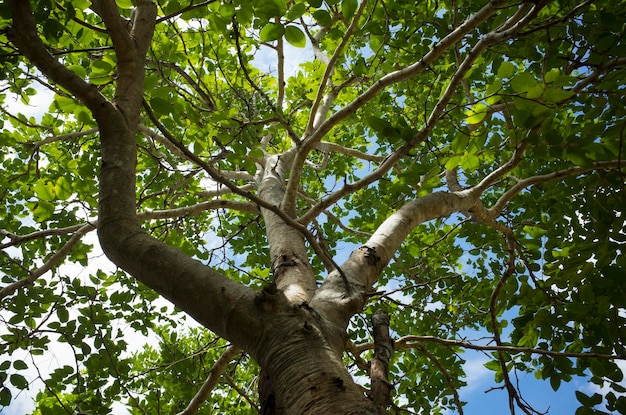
(503, 169)
(410, 71)
(511, 26)
(330, 68)
(347, 151)
(117, 29)
(82, 229)
(497, 208)
(274, 208)
(23, 34)
(407, 342)
(394, 77)
(55, 259)
(379, 365)
(61, 137)
(211, 381)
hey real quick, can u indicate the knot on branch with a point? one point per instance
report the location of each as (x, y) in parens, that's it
(279, 262)
(370, 254)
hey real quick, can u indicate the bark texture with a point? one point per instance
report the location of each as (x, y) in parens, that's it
(379, 366)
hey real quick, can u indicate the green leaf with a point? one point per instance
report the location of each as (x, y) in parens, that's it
(63, 314)
(552, 75)
(322, 17)
(506, 70)
(256, 153)
(100, 67)
(83, 115)
(491, 93)
(227, 11)
(161, 106)
(295, 36)
(19, 381)
(296, 11)
(476, 113)
(44, 190)
(271, 31)
(78, 70)
(62, 188)
(5, 396)
(53, 29)
(20, 365)
(348, 8)
(266, 9)
(124, 4)
(493, 365)
(524, 82)
(42, 210)
(64, 104)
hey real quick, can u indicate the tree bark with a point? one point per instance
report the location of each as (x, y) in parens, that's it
(379, 366)
(307, 374)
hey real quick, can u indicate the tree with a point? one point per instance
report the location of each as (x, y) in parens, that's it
(469, 154)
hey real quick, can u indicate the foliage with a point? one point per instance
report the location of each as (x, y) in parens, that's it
(546, 102)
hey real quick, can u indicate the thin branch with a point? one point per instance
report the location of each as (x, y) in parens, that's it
(346, 151)
(19, 239)
(184, 9)
(23, 34)
(55, 259)
(209, 384)
(280, 51)
(613, 63)
(143, 216)
(61, 137)
(503, 169)
(82, 229)
(277, 111)
(493, 306)
(197, 208)
(497, 208)
(392, 78)
(410, 71)
(195, 84)
(330, 67)
(407, 342)
(240, 391)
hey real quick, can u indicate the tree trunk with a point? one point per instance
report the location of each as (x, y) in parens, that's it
(303, 373)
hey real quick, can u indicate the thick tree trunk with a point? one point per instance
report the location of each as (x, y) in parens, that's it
(305, 373)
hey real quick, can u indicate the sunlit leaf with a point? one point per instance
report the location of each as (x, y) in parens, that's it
(295, 36)
(271, 31)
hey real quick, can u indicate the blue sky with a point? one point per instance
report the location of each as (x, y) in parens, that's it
(482, 399)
